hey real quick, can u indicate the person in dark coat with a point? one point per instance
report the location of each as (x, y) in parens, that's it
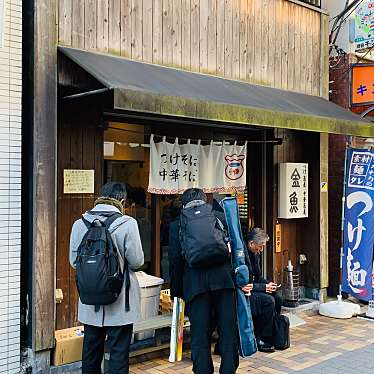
(209, 297)
(265, 300)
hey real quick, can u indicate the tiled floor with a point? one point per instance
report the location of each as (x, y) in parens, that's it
(322, 345)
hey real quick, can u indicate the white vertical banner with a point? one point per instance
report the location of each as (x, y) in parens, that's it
(293, 190)
(214, 168)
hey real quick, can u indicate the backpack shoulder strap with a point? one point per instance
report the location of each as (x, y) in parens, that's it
(111, 219)
(86, 222)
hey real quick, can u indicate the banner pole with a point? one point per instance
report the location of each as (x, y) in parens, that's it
(343, 221)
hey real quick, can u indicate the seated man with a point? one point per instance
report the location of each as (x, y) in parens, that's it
(265, 300)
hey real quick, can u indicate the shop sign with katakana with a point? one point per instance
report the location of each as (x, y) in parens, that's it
(358, 224)
(293, 190)
(362, 84)
(215, 168)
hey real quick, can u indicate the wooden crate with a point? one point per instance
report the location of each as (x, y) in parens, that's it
(166, 304)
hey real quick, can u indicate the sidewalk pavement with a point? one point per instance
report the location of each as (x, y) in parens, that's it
(321, 346)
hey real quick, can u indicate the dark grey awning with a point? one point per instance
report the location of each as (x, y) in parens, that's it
(151, 88)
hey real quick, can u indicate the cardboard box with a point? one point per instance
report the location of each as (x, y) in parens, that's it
(69, 345)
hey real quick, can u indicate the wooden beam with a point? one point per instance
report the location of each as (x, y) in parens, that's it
(324, 48)
(156, 238)
(44, 117)
(324, 249)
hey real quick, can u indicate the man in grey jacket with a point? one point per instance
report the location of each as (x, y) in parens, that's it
(111, 321)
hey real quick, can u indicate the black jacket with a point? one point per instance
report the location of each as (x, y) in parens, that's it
(186, 282)
(255, 276)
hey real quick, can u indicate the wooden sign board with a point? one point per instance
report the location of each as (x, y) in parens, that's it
(79, 181)
(362, 84)
(278, 238)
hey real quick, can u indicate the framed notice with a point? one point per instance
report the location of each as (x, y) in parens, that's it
(79, 181)
(293, 190)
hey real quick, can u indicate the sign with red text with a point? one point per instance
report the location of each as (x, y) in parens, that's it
(213, 167)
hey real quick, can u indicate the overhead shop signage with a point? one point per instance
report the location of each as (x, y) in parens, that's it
(358, 224)
(364, 25)
(214, 167)
(362, 84)
(293, 190)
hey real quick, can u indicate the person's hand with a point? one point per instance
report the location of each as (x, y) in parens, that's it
(247, 289)
(271, 287)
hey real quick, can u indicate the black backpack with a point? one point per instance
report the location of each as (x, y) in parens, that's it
(281, 332)
(99, 276)
(202, 238)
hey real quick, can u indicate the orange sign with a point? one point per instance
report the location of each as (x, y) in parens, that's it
(362, 84)
(278, 238)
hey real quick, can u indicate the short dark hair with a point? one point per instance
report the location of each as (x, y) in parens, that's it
(114, 190)
(192, 194)
(258, 235)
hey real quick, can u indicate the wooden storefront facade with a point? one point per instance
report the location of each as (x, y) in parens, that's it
(275, 43)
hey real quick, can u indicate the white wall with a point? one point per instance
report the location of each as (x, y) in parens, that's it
(10, 186)
(334, 7)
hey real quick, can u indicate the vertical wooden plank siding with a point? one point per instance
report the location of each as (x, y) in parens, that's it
(78, 31)
(303, 53)
(167, 29)
(186, 34)
(126, 28)
(271, 42)
(284, 49)
(316, 71)
(212, 36)
(243, 39)
(250, 40)
(278, 51)
(272, 46)
(90, 24)
(309, 48)
(297, 48)
(102, 26)
(220, 37)
(157, 32)
(236, 39)
(195, 35)
(137, 29)
(177, 34)
(291, 47)
(147, 31)
(257, 41)
(228, 39)
(114, 27)
(203, 58)
(64, 21)
(324, 57)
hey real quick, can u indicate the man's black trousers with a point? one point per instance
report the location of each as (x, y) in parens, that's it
(118, 341)
(200, 310)
(264, 306)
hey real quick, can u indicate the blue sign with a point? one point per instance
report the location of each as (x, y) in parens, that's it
(359, 225)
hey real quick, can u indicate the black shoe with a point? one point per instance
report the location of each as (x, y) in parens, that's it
(265, 347)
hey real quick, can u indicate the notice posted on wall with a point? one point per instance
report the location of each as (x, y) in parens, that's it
(293, 190)
(79, 181)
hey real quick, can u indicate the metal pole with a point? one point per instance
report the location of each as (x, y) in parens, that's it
(343, 220)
